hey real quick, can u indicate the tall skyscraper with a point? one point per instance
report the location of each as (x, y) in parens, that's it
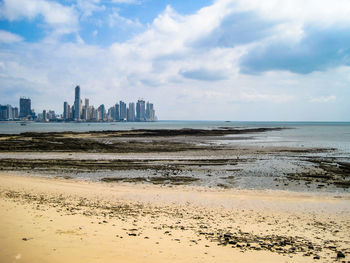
(24, 107)
(65, 110)
(5, 112)
(122, 111)
(148, 111)
(77, 104)
(140, 110)
(87, 103)
(131, 112)
(101, 112)
(116, 112)
(15, 113)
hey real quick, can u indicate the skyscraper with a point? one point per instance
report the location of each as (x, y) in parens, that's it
(116, 113)
(77, 105)
(101, 112)
(148, 111)
(122, 112)
(6, 112)
(24, 107)
(65, 110)
(140, 110)
(131, 112)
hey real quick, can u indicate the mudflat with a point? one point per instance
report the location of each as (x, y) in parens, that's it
(58, 220)
(173, 157)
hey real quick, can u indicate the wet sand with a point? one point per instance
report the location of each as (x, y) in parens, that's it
(57, 220)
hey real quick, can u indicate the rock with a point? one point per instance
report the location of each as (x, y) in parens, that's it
(340, 254)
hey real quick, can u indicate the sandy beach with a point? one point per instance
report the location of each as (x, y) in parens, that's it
(58, 220)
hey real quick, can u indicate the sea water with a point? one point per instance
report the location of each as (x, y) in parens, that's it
(299, 134)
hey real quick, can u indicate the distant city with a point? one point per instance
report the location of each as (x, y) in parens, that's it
(141, 112)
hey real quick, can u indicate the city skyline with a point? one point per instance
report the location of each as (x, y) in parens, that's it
(80, 112)
(197, 60)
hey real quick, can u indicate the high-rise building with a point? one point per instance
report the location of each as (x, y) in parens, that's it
(77, 104)
(116, 112)
(110, 113)
(65, 110)
(25, 108)
(101, 112)
(70, 112)
(87, 103)
(150, 113)
(131, 112)
(44, 116)
(122, 111)
(93, 114)
(5, 112)
(15, 113)
(140, 110)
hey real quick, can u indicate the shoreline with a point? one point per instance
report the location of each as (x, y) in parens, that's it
(166, 224)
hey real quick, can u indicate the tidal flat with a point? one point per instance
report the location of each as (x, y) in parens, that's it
(161, 156)
(171, 196)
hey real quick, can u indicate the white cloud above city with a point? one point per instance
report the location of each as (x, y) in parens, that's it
(225, 60)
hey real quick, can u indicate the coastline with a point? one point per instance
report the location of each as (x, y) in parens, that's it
(68, 220)
(190, 195)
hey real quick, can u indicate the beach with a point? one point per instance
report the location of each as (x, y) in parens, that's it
(171, 196)
(58, 220)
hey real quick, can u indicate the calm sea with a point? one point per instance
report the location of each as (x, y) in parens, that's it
(302, 134)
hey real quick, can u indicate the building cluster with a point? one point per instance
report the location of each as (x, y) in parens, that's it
(8, 113)
(142, 111)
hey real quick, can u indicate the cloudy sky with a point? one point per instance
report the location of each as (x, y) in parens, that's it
(196, 60)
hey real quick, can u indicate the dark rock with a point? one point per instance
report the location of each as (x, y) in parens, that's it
(340, 254)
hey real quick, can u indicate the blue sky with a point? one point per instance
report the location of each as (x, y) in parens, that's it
(210, 60)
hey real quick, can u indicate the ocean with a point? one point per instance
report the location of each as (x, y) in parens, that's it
(300, 134)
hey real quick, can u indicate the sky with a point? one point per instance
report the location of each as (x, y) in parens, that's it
(243, 60)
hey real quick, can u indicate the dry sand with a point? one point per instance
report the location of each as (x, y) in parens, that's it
(56, 220)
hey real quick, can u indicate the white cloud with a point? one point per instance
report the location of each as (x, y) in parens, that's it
(322, 12)
(88, 7)
(125, 1)
(62, 18)
(323, 99)
(263, 97)
(8, 37)
(115, 20)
